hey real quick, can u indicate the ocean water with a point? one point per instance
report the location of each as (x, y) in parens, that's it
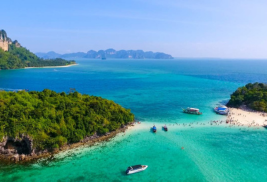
(155, 91)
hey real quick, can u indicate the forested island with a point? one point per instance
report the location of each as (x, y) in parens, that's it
(253, 96)
(14, 56)
(36, 123)
(109, 53)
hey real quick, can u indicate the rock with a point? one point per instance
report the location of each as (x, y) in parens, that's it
(15, 158)
(3, 143)
(45, 151)
(33, 154)
(22, 157)
(8, 151)
(4, 40)
(11, 151)
(17, 44)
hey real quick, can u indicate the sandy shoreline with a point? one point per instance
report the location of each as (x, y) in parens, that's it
(52, 66)
(246, 117)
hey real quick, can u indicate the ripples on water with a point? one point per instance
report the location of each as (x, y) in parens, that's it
(155, 91)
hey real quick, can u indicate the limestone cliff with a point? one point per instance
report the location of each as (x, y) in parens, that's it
(16, 43)
(4, 40)
(15, 56)
(16, 149)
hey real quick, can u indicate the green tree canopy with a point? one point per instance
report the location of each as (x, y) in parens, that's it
(253, 95)
(54, 119)
(20, 57)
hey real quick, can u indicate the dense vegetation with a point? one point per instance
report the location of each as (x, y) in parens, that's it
(252, 95)
(19, 57)
(54, 119)
(109, 53)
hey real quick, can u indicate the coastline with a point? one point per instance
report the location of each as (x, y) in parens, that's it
(52, 66)
(87, 141)
(246, 117)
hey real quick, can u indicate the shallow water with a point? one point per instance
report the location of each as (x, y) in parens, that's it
(155, 91)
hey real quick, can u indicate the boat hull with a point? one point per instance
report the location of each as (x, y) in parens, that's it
(221, 112)
(192, 111)
(165, 128)
(195, 113)
(137, 170)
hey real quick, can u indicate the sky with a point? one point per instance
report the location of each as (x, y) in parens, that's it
(182, 28)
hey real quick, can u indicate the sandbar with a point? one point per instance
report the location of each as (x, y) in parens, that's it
(52, 66)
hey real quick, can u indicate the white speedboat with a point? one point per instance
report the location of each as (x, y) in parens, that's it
(136, 169)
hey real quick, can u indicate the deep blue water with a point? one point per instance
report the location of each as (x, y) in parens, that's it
(155, 91)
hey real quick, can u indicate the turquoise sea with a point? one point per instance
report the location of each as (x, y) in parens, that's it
(155, 91)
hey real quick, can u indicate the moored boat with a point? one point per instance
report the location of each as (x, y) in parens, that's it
(154, 129)
(192, 111)
(223, 110)
(136, 169)
(165, 128)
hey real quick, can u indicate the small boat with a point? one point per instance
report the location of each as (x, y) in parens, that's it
(223, 110)
(265, 126)
(136, 169)
(154, 129)
(165, 128)
(192, 111)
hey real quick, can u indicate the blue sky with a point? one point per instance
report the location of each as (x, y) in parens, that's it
(182, 28)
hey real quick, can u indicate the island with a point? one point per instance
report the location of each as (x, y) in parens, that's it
(14, 56)
(248, 105)
(108, 54)
(37, 124)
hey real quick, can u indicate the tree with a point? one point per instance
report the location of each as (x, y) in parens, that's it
(54, 119)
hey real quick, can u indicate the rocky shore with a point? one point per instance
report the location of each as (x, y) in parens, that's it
(20, 149)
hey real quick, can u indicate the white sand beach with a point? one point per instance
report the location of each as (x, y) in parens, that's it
(242, 117)
(52, 66)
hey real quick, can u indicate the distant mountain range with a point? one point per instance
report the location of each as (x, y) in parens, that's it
(109, 53)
